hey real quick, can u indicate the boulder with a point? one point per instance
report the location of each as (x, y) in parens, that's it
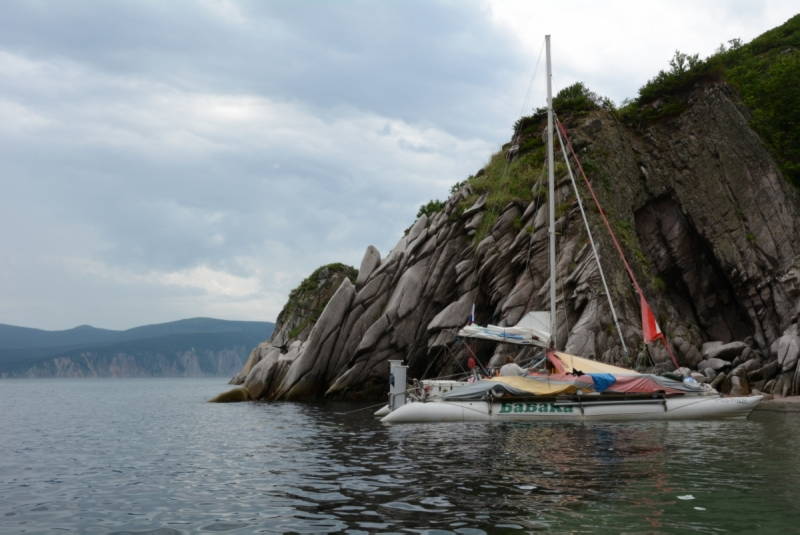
(766, 372)
(691, 355)
(419, 226)
(709, 346)
(478, 206)
(709, 373)
(231, 396)
(718, 380)
(302, 380)
(723, 351)
(370, 261)
(744, 368)
(713, 363)
(408, 291)
(783, 384)
(474, 222)
(263, 373)
(453, 315)
(744, 356)
(255, 356)
(699, 377)
(786, 350)
(739, 386)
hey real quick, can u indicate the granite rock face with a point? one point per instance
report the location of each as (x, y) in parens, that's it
(701, 209)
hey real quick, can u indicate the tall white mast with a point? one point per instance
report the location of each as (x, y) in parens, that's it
(551, 195)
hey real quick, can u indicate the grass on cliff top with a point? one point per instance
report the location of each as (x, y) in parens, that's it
(523, 178)
(304, 300)
(504, 182)
(311, 283)
(765, 72)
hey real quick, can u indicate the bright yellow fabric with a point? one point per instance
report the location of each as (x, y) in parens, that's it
(571, 363)
(541, 386)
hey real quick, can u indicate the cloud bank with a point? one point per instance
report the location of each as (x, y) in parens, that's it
(162, 160)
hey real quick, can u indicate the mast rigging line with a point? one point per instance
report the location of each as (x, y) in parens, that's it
(533, 78)
(604, 217)
(591, 240)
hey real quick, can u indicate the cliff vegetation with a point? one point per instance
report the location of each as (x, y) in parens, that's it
(696, 177)
(766, 75)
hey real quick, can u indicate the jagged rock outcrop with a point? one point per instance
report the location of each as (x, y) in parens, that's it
(701, 208)
(281, 368)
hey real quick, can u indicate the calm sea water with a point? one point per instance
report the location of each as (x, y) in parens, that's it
(151, 456)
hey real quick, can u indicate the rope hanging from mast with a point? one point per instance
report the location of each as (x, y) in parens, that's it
(591, 241)
(651, 330)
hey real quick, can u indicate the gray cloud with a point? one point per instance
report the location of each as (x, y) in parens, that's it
(168, 159)
(389, 59)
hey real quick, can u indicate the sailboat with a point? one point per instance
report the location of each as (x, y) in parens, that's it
(562, 387)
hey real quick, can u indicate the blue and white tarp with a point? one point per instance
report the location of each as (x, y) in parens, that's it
(532, 329)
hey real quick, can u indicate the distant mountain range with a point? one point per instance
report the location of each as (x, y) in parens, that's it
(190, 347)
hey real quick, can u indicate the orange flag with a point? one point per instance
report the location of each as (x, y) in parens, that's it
(650, 328)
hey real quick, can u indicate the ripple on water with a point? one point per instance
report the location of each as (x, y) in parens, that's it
(151, 457)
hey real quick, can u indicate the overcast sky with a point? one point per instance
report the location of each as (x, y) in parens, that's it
(168, 159)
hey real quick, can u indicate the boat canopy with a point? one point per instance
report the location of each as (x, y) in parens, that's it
(572, 375)
(648, 383)
(520, 387)
(558, 384)
(566, 363)
(532, 329)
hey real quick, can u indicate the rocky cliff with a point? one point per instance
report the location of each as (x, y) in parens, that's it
(704, 210)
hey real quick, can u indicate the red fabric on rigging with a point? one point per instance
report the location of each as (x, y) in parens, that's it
(650, 328)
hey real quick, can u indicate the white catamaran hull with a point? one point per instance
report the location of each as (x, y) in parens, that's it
(677, 408)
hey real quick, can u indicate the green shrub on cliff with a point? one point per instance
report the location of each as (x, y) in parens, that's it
(765, 72)
(576, 98)
(517, 174)
(505, 181)
(767, 75)
(430, 208)
(307, 301)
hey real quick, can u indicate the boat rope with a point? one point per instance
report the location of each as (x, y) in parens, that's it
(614, 239)
(516, 139)
(409, 390)
(477, 360)
(591, 241)
(345, 413)
(448, 350)
(533, 77)
(492, 210)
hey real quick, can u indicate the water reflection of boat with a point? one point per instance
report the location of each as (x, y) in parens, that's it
(565, 387)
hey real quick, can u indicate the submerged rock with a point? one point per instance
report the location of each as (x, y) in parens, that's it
(232, 396)
(786, 350)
